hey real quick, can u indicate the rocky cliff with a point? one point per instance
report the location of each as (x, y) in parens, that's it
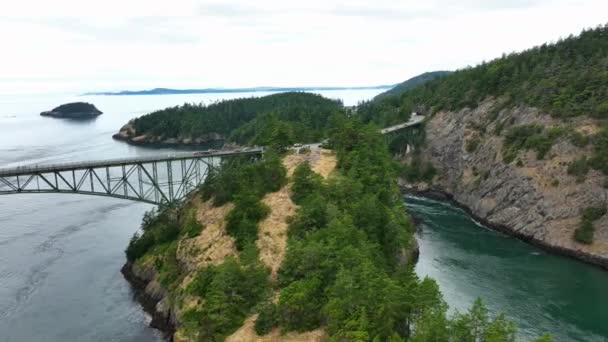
(533, 198)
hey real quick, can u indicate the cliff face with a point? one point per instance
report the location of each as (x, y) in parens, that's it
(532, 198)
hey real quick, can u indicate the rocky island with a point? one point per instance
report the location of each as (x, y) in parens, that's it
(74, 110)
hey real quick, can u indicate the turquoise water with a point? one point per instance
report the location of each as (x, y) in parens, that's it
(541, 292)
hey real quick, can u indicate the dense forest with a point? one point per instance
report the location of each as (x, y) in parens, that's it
(302, 117)
(567, 78)
(345, 268)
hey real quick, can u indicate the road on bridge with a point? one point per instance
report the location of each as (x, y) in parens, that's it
(415, 119)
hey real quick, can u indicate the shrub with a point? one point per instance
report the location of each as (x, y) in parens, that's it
(593, 213)
(472, 144)
(579, 140)
(191, 227)
(268, 318)
(418, 170)
(305, 182)
(579, 168)
(584, 233)
(299, 305)
(241, 221)
(229, 291)
(138, 246)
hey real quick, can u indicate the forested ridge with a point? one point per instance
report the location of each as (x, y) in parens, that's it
(300, 116)
(566, 78)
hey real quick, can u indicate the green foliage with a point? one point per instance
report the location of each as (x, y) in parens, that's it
(241, 221)
(418, 170)
(593, 213)
(229, 291)
(241, 176)
(191, 227)
(550, 77)
(157, 229)
(544, 338)
(300, 304)
(584, 233)
(296, 115)
(579, 168)
(268, 318)
(531, 137)
(578, 139)
(166, 265)
(599, 160)
(305, 182)
(472, 144)
(476, 325)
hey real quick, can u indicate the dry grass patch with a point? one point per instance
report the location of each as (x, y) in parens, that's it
(213, 244)
(246, 333)
(272, 231)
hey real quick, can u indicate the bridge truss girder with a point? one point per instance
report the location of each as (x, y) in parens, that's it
(154, 182)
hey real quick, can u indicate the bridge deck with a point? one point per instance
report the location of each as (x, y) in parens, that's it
(414, 120)
(30, 169)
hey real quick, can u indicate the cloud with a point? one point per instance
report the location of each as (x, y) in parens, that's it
(118, 44)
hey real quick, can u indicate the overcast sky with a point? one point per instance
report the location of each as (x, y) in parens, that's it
(91, 45)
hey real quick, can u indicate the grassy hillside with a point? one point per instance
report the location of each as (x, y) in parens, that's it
(297, 116)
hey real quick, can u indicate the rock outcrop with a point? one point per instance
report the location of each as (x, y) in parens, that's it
(534, 199)
(129, 134)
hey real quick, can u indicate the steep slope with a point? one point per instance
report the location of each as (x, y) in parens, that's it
(522, 142)
(533, 198)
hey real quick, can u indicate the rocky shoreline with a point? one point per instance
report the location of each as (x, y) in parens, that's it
(151, 301)
(440, 195)
(128, 134)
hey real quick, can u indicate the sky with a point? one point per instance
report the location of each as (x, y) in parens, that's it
(93, 45)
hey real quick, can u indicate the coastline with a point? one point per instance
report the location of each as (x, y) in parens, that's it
(440, 195)
(216, 144)
(161, 321)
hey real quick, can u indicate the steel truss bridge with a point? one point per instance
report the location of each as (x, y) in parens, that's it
(155, 179)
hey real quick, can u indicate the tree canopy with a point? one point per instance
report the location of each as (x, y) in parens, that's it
(299, 116)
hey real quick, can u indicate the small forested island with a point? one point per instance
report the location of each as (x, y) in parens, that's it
(74, 110)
